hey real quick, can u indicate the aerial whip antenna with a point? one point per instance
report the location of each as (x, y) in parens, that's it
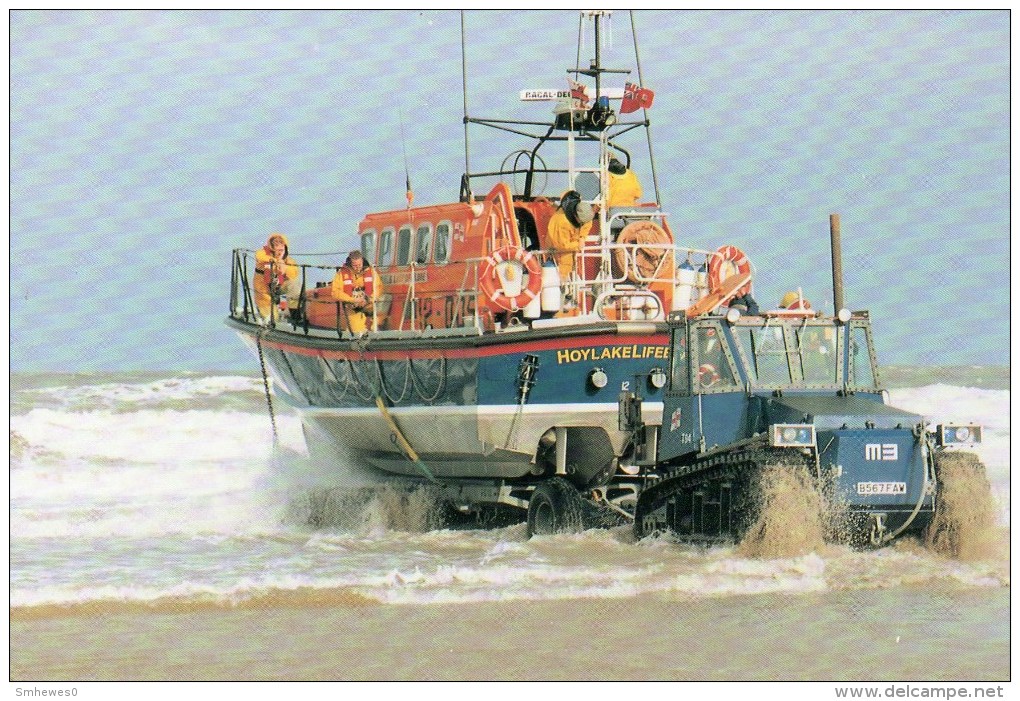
(648, 126)
(463, 74)
(407, 171)
(580, 41)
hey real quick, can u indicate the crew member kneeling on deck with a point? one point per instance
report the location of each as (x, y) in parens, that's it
(276, 277)
(568, 229)
(356, 287)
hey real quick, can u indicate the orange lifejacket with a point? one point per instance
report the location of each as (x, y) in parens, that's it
(367, 281)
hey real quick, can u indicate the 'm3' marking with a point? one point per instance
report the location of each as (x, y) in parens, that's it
(881, 451)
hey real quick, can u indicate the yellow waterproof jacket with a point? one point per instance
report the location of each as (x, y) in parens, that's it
(346, 282)
(264, 267)
(286, 274)
(564, 236)
(567, 239)
(624, 190)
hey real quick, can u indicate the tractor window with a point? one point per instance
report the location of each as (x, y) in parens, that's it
(678, 360)
(861, 372)
(765, 351)
(817, 357)
(713, 370)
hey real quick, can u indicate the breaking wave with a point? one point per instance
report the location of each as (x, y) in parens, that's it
(167, 494)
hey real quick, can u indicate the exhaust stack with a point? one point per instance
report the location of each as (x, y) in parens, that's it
(837, 263)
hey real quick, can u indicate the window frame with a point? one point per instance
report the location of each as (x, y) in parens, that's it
(694, 351)
(405, 259)
(448, 242)
(427, 238)
(369, 235)
(387, 234)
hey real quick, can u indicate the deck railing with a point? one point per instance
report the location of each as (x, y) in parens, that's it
(606, 276)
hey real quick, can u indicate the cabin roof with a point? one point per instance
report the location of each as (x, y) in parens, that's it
(434, 213)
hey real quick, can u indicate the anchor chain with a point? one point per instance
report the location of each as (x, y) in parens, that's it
(265, 384)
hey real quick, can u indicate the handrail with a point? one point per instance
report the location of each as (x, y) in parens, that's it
(603, 271)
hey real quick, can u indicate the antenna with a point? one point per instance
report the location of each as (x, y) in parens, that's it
(407, 172)
(648, 125)
(466, 188)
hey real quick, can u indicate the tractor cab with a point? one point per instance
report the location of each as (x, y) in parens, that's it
(728, 370)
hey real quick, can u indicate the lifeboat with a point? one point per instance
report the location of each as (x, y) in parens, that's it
(470, 372)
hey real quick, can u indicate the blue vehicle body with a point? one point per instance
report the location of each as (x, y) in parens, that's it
(735, 385)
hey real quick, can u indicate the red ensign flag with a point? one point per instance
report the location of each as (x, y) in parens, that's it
(635, 97)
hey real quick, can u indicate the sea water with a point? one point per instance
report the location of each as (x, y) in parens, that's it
(145, 496)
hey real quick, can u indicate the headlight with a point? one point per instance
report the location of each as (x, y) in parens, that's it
(657, 377)
(598, 378)
(792, 435)
(953, 434)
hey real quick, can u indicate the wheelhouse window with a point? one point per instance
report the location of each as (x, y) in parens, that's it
(368, 244)
(424, 244)
(444, 239)
(385, 248)
(816, 347)
(404, 245)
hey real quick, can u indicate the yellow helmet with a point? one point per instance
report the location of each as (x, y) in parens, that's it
(788, 299)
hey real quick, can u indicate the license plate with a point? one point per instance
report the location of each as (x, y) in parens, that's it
(870, 488)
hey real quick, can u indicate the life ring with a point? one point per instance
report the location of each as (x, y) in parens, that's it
(729, 260)
(648, 262)
(489, 280)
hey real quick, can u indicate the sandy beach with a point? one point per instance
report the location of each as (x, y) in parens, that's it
(856, 635)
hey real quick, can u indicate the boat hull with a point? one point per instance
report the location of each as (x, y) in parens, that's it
(457, 403)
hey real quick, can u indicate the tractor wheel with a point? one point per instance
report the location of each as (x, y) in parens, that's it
(555, 507)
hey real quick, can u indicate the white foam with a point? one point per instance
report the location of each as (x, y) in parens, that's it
(171, 475)
(173, 389)
(155, 436)
(946, 403)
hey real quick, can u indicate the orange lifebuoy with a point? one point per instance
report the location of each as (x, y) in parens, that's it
(489, 280)
(729, 260)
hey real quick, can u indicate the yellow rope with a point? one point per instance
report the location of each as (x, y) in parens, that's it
(408, 450)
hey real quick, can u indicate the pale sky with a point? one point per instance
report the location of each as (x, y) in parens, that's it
(146, 145)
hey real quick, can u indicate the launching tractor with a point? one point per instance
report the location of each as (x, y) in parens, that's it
(747, 395)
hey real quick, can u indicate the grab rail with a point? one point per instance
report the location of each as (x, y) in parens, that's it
(603, 271)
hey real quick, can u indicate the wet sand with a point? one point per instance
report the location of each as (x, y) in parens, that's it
(856, 635)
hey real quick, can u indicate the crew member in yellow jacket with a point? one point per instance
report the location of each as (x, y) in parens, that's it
(568, 229)
(276, 274)
(624, 186)
(357, 287)
(624, 193)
